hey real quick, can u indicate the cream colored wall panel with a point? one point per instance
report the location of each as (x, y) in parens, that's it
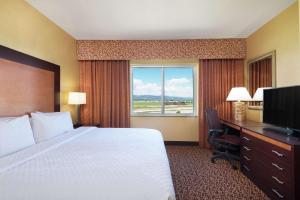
(172, 128)
(25, 29)
(280, 34)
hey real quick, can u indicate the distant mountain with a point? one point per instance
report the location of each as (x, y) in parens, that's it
(158, 98)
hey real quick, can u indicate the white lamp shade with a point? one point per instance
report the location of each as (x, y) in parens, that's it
(77, 98)
(259, 94)
(239, 94)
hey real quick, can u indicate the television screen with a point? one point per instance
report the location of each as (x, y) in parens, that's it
(282, 107)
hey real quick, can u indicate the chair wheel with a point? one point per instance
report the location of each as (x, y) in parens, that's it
(212, 160)
(234, 167)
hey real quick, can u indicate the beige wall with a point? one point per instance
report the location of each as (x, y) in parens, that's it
(172, 128)
(24, 29)
(280, 34)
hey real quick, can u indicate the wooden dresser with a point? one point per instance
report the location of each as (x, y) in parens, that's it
(271, 160)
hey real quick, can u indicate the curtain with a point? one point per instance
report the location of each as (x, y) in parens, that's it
(107, 86)
(260, 74)
(216, 78)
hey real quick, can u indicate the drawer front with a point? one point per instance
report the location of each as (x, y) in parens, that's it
(260, 176)
(273, 172)
(247, 170)
(276, 193)
(280, 172)
(281, 154)
(248, 140)
(249, 151)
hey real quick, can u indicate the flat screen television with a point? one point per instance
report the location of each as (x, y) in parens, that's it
(282, 107)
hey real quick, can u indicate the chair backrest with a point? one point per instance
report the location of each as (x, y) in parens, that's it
(212, 118)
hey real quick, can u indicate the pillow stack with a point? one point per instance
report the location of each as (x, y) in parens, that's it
(17, 133)
(48, 125)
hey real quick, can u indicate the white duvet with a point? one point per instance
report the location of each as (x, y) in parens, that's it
(90, 164)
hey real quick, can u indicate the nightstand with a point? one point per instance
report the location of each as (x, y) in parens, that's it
(97, 125)
(79, 125)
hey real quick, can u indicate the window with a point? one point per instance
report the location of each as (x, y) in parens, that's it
(162, 90)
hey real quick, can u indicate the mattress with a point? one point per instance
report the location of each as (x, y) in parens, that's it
(90, 163)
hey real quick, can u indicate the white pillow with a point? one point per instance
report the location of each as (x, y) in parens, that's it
(49, 125)
(15, 134)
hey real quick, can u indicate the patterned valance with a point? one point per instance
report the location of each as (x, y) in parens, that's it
(161, 49)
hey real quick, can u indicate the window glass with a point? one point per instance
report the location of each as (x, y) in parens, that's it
(179, 93)
(147, 90)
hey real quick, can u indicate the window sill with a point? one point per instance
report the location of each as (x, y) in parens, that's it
(158, 115)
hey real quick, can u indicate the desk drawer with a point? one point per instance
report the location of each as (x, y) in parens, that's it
(273, 190)
(277, 193)
(260, 175)
(278, 170)
(280, 151)
(274, 170)
(248, 140)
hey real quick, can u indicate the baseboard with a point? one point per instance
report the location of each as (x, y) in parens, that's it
(182, 143)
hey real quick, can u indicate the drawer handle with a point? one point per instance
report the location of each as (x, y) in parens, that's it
(248, 159)
(245, 138)
(248, 149)
(278, 194)
(246, 168)
(278, 181)
(277, 166)
(278, 154)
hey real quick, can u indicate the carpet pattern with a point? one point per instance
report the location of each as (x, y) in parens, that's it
(196, 178)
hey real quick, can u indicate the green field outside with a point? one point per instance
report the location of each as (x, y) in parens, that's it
(155, 107)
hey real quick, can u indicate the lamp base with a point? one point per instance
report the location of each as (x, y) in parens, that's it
(78, 114)
(239, 111)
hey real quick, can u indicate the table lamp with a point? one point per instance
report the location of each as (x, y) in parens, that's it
(77, 98)
(239, 95)
(259, 96)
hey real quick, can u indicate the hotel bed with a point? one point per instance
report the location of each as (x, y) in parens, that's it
(90, 163)
(44, 158)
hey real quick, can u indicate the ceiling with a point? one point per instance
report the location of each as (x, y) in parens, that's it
(159, 19)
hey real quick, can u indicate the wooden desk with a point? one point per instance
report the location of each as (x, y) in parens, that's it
(238, 125)
(269, 159)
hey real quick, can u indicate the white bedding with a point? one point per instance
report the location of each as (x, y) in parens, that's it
(90, 164)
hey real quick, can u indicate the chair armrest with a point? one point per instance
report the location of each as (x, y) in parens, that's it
(216, 130)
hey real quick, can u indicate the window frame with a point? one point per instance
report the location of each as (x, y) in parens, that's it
(162, 67)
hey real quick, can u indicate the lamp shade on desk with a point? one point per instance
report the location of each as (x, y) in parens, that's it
(238, 95)
(259, 94)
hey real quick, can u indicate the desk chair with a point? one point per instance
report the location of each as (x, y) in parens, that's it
(225, 146)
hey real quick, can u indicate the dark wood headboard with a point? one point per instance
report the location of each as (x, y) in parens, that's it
(27, 84)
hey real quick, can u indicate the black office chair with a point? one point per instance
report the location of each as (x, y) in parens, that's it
(225, 146)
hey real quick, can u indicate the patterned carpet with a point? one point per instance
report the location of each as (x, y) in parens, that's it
(195, 177)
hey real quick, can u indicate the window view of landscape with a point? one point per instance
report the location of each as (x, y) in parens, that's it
(148, 88)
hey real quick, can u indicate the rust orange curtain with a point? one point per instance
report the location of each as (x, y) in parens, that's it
(260, 74)
(216, 78)
(107, 85)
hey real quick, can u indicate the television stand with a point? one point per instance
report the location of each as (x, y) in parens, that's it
(281, 130)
